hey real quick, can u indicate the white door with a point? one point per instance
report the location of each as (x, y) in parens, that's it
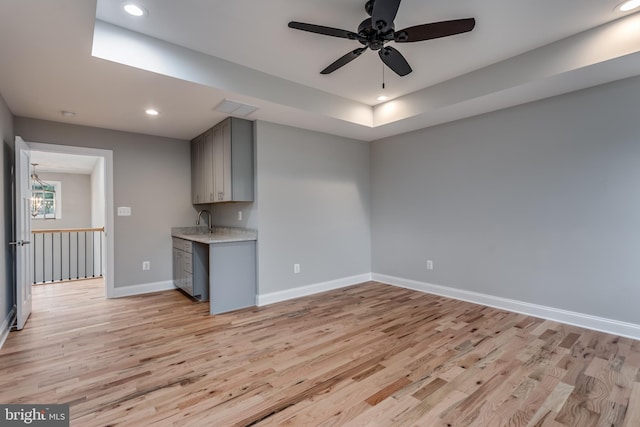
(24, 264)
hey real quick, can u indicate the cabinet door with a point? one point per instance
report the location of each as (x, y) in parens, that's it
(222, 161)
(206, 173)
(178, 268)
(196, 153)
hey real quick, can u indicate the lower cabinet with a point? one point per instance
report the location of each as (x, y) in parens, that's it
(232, 279)
(222, 273)
(191, 268)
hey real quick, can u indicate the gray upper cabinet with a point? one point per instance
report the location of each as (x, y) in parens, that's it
(222, 163)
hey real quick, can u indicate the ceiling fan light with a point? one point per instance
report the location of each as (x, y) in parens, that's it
(629, 5)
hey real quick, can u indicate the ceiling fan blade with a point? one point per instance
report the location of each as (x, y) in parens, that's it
(344, 60)
(327, 31)
(394, 60)
(434, 30)
(383, 14)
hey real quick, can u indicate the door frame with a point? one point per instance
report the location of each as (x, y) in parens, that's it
(107, 155)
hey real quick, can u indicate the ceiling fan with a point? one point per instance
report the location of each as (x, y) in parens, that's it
(376, 31)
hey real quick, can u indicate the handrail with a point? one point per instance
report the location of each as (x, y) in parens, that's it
(67, 230)
(67, 254)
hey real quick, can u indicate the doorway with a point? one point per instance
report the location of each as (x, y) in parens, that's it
(98, 165)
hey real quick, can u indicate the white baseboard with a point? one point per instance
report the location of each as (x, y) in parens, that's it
(630, 330)
(142, 288)
(304, 291)
(5, 328)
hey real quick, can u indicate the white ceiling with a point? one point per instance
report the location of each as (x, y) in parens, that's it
(184, 57)
(63, 162)
(504, 28)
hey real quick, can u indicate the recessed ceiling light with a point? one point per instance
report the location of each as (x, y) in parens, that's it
(629, 5)
(133, 9)
(382, 98)
(67, 113)
(151, 112)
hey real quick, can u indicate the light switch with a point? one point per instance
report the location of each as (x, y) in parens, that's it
(124, 211)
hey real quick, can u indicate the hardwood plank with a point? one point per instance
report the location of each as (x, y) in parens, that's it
(381, 395)
(552, 404)
(369, 354)
(632, 417)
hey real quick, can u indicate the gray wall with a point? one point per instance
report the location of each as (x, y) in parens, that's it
(538, 203)
(312, 207)
(6, 226)
(151, 175)
(76, 202)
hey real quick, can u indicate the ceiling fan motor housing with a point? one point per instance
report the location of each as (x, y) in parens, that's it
(372, 38)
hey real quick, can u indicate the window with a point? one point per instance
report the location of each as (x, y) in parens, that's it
(46, 200)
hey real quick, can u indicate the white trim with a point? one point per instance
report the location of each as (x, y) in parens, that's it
(143, 288)
(107, 155)
(616, 327)
(5, 328)
(315, 288)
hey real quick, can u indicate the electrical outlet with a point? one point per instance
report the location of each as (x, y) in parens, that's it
(146, 265)
(239, 215)
(296, 268)
(429, 264)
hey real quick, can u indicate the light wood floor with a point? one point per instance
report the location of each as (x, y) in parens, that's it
(367, 355)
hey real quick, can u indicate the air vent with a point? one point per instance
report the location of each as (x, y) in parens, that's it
(235, 108)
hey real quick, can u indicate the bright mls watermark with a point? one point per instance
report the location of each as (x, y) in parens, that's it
(34, 415)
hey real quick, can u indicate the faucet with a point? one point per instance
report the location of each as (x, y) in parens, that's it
(209, 224)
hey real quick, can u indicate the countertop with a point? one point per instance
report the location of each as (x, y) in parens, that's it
(219, 235)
